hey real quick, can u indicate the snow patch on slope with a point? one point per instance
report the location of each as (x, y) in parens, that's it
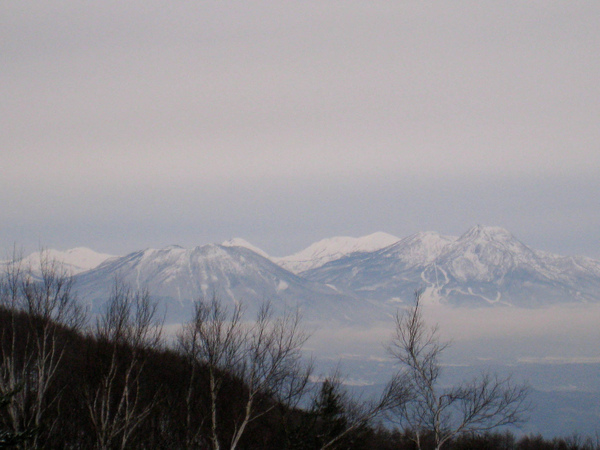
(75, 260)
(334, 248)
(239, 242)
(420, 248)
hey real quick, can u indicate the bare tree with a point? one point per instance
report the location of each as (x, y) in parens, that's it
(130, 327)
(270, 364)
(264, 355)
(482, 404)
(32, 347)
(212, 341)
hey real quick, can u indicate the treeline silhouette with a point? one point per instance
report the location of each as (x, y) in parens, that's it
(114, 382)
(67, 423)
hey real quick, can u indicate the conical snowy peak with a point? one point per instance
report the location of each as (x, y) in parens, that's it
(327, 250)
(487, 253)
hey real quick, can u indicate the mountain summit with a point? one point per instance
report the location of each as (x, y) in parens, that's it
(344, 278)
(74, 261)
(331, 249)
(239, 242)
(486, 265)
(235, 274)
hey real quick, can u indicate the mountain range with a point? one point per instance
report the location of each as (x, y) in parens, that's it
(347, 289)
(178, 276)
(486, 265)
(347, 279)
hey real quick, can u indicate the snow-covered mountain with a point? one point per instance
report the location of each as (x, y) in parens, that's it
(388, 274)
(486, 265)
(346, 279)
(74, 261)
(332, 249)
(179, 276)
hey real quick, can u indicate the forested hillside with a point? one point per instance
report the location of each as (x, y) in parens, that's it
(68, 380)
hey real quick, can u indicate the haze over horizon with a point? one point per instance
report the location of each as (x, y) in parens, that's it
(137, 125)
(345, 244)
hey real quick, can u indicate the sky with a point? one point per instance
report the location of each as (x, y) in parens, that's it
(127, 125)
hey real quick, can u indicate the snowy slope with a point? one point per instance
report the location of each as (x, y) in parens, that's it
(486, 265)
(391, 273)
(347, 279)
(239, 242)
(75, 260)
(332, 249)
(178, 276)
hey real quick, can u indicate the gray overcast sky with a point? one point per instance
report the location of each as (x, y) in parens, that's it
(136, 124)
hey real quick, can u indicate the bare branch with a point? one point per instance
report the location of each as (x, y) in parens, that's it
(31, 358)
(482, 404)
(129, 325)
(264, 355)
